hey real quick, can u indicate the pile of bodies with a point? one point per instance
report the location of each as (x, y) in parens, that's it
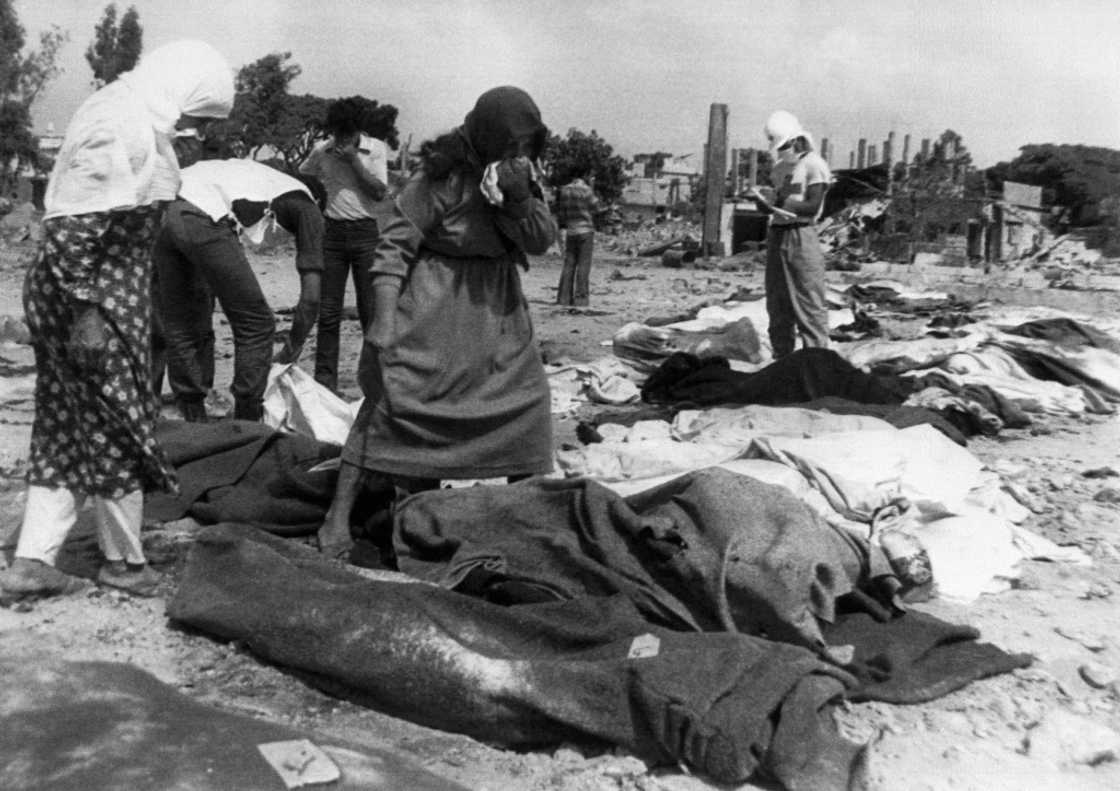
(701, 588)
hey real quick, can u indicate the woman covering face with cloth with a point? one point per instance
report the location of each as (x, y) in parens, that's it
(453, 378)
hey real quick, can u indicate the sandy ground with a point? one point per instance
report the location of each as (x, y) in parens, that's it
(1018, 731)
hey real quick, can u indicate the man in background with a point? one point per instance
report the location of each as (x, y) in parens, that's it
(353, 169)
(576, 207)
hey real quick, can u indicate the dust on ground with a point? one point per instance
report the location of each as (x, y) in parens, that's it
(1007, 732)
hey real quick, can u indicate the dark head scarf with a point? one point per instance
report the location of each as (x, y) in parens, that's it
(505, 122)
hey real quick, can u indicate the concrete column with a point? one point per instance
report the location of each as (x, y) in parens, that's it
(888, 160)
(825, 150)
(752, 167)
(906, 150)
(861, 155)
(851, 160)
(715, 168)
(872, 155)
(925, 149)
(736, 181)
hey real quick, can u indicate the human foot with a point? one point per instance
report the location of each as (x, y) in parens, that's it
(334, 538)
(27, 577)
(139, 580)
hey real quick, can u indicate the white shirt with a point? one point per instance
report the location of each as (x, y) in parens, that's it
(214, 184)
(810, 169)
(346, 200)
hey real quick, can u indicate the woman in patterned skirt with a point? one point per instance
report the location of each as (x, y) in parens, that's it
(87, 302)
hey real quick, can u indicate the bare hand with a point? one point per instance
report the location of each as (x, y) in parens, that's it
(89, 339)
(515, 179)
(288, 354)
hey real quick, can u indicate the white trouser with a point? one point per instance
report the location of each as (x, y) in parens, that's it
(51, 513)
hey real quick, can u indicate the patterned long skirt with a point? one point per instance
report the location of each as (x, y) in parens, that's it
(94, 430)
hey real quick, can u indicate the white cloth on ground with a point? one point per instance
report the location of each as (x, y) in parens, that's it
(885, 356)
(741, 425)
(295, 402)
(958, 510)
(993, 367)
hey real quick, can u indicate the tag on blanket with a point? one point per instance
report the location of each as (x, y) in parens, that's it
(300, 763)
(841, 654)
(644, 646)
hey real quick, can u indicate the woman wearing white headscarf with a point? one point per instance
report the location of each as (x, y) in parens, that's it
(87, 302)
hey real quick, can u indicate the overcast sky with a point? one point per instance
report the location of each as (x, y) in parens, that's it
(643, 73)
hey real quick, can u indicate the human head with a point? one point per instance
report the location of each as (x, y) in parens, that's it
(188, 147)
(579, 170)
(505, 122)
(344, 120)
(183, 82)
(783, 131)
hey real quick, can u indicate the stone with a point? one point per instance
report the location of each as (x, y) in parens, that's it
(1097, 675)
(1107, 494)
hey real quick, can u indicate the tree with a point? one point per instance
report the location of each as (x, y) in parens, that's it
(582, 151)
(266, 116)
(22, 77)
(1074, 176)
(262, 111)
(115, 48)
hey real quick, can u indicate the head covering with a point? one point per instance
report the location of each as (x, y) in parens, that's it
(501, 119)
(781, 127)
(183, 78)
(117, 151)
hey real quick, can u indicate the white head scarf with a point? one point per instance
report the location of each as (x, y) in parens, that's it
(183, 78)
(117, 150)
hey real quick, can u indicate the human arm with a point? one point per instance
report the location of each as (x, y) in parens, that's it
(523, 217)
(804, 208)
(303, 317)
(76, 269)
(372, 182)
(766, 207)
(414, 213)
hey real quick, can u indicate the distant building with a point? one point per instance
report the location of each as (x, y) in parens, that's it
(661, 189)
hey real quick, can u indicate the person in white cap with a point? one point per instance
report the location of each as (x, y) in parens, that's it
(87, 301)
(795, 286)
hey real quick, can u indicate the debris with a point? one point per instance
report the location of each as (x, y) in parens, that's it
(1100, 472)
(300, 763)
(687, 241)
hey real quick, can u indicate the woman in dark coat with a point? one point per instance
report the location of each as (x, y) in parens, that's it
(452, 375)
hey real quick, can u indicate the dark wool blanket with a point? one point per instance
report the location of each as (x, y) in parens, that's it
(591, 668)
(106, 726)
(240, 471)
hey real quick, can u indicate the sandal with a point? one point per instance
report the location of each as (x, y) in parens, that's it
(139, 579)
(34, 578)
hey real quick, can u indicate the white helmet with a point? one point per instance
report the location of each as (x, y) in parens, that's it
(781, 127)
